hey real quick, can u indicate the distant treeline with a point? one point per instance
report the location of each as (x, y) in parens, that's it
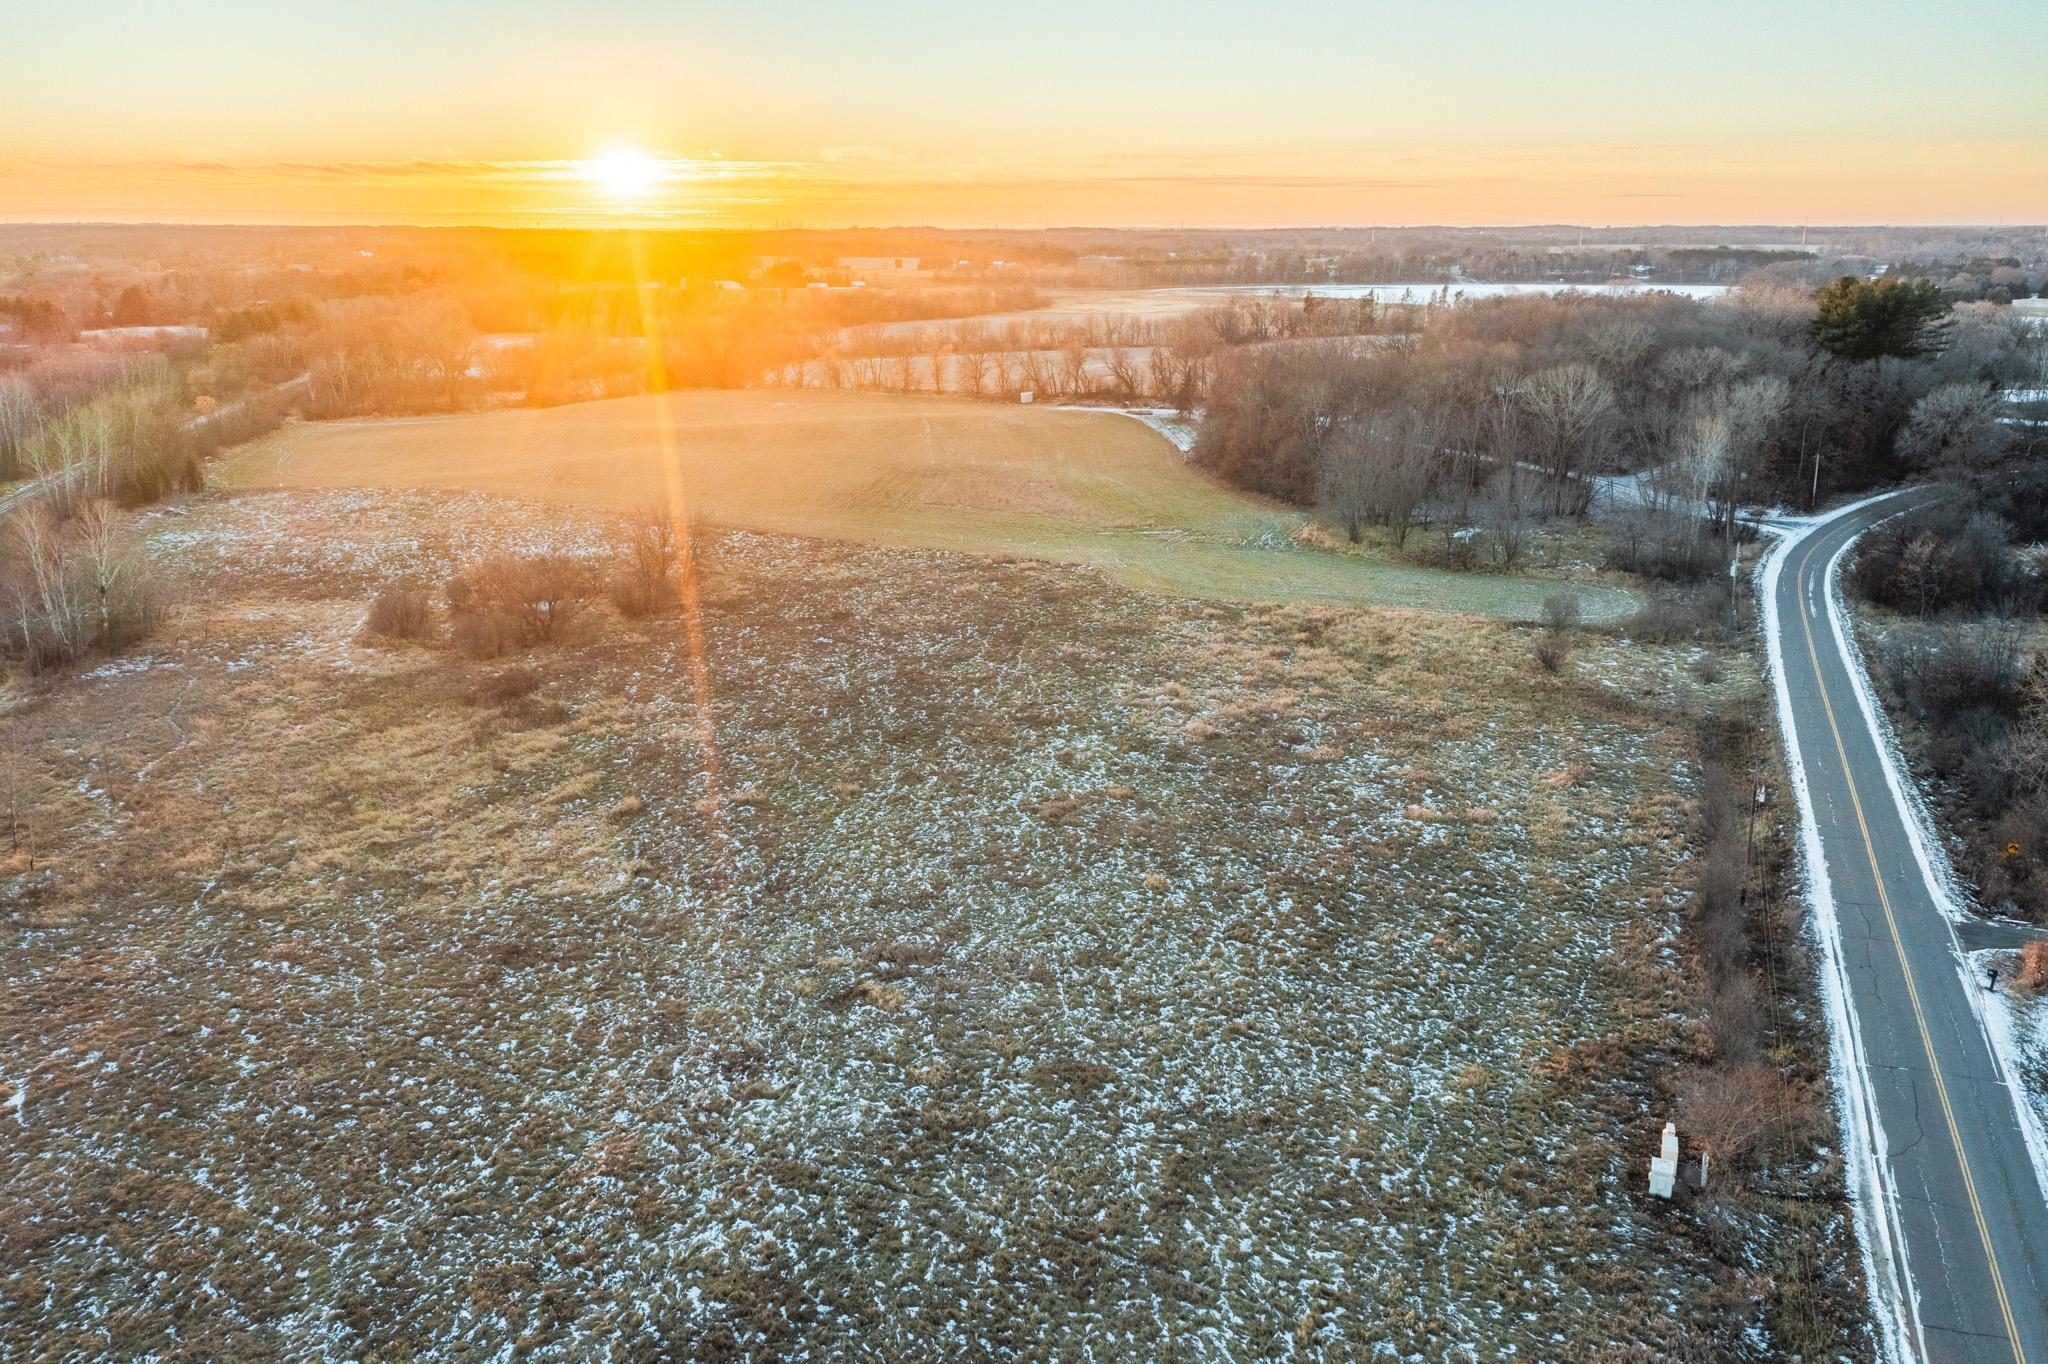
(1776, 397)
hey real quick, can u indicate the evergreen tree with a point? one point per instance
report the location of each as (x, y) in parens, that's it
(1866, 319)
(132, 308)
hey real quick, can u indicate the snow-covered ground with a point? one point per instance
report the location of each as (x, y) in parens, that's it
(1007, 961)
(1178, 427)
(2017, 1025)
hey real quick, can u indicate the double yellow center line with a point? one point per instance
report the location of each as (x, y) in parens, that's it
(1955, 1137)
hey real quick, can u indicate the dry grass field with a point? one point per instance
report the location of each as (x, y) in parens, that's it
(1080, 487)
(1008, 964)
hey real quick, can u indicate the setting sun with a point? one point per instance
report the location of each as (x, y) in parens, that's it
(625, 173)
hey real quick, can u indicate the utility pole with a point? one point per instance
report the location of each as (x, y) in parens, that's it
(1763, 794)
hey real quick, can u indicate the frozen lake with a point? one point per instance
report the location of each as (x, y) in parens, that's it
(1422, 293)
(1077, 305)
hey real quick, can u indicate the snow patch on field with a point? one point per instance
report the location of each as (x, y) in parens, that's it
(1071, 967)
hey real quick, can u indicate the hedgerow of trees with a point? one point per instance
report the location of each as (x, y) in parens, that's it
(1516, 407)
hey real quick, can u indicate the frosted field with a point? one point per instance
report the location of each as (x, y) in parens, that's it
(1017, 965)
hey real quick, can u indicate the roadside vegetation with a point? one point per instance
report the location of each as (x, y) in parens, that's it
(1954, 630)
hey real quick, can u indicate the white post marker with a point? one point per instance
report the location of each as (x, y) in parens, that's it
(1664, 1167)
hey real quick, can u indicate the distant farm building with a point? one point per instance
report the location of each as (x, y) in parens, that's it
(871, 266)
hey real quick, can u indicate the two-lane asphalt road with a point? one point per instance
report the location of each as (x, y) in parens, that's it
(1953, 1210)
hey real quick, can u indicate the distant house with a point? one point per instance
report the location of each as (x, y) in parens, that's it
(116, 336)
(881, 265)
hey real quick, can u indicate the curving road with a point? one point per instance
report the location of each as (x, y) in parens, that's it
(1951, 1208)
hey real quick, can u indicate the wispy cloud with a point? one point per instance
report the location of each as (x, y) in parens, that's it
(849, 183)
(694, 187)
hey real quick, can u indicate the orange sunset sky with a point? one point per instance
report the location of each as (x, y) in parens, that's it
(779, 114)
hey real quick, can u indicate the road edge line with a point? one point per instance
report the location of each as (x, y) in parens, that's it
(1895, 1309)
(1944, 886)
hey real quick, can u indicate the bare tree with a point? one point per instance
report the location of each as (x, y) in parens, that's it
(983, 371)
(1753, 407)
(1073, 366)
(1126, 368)
(936, 347)
(1955, 427)
(439, 337)
(1568, 403)
(1704, 453)
(48, 618)
(1345, 490)
(1507, 518)
(1038, 374)
(1183, 372)
(21, 417)
(102, 538)
(651, 544)
(1696, 369)
(1413, 467)
(1379, 469)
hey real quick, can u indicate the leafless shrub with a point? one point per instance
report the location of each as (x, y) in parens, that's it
(1746, 1113)
(1509, 523)
(400, 613)
(513, 602)
(507, 685)
(1461, 547)
(642, 577)
(1946, 670)
(1735, 1017)
(1553, 651)
(479, 634)
(1561, 612)
(1672, 616)
(2031, 975)
(635, 597)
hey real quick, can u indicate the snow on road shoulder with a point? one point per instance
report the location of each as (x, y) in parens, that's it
(2017, 1028)
(1895, 1310)
(1178, 427)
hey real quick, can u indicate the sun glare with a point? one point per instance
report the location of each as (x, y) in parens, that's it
(625, 173)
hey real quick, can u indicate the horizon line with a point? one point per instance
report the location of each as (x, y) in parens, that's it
(1183, 227)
